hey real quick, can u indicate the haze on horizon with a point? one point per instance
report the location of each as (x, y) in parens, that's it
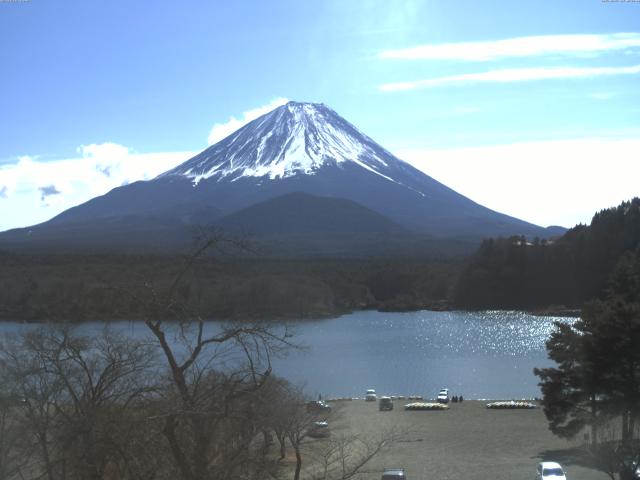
(533, 111)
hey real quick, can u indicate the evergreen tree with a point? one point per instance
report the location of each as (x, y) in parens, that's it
(511, 273)
(597, 376)
(572, 389)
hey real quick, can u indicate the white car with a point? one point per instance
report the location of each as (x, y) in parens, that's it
(371, 395)
(550, 470)
(443, 395)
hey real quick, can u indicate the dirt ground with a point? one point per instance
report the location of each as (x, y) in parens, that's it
(467, 441)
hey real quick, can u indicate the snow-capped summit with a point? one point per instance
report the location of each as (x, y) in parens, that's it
(299, 170)
(294, 139)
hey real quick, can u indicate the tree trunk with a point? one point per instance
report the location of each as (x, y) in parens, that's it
(625, 428)
(283, 447)
(200, 449)
(169, 431)
(42, 439)
(594, 422)
(296, 475)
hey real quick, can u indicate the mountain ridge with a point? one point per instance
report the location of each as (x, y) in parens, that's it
(298, 147)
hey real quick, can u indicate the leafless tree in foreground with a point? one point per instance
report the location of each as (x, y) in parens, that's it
(322, 452)
(77, 401)
(14, 444)
(345, 456)
(192, 401)
(214, 373)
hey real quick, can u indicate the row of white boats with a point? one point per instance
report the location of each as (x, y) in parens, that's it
(441, 402)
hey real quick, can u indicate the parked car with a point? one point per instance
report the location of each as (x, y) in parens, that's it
(394, 474)
(318, 406)
(443, 395)
(385, 403)
(550, 471)
(320, 430)
(371, 395)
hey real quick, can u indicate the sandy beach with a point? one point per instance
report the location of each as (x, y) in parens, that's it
(467, 441)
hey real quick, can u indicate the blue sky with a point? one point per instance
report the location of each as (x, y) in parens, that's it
(512, 104)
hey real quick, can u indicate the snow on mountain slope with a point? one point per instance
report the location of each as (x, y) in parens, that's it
(297, 148)
(294, 139)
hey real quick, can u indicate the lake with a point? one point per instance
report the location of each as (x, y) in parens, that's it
(475, 354)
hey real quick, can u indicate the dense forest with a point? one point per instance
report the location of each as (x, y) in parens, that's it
(76, 288)
(516, 273)
(504, 273)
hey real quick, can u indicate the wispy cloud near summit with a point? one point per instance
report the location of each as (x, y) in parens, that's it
(222, 130)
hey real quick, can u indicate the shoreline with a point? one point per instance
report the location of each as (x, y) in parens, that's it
(419, 398)
(560, 312)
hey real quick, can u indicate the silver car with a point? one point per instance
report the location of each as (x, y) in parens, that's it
(394, 474)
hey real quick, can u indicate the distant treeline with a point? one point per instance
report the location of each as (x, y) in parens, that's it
(77, 288)
(516, 273)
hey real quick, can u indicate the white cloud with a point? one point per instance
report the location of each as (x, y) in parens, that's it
(223, 130)
(602, 95)
(510, 75)
(33, 190)
(561, 182)
(564, 45)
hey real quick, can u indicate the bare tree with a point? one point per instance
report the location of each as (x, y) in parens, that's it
(77, 396)
(318, 440)
(323, 448)
(299, 422)
(186, 402)
(345, 456)
(213, 371)
(272, 413)
(14, 442)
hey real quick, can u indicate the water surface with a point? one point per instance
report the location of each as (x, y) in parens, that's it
(475, 354)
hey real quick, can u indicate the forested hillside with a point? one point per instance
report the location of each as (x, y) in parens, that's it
(504, 273)
(82, 287)
(514, 273)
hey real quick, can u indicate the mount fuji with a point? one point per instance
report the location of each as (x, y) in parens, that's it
(299, 171)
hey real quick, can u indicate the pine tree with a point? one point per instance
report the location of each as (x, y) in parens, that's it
(597, 374)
